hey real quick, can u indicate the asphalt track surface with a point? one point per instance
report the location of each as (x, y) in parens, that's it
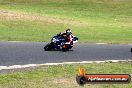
(22, 53)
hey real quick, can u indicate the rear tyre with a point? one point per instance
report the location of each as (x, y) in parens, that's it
(64, 48)
(47, 47)
(70, 47)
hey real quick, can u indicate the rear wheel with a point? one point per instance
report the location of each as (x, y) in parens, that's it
(70, 47)
(65, 48)
(47, 47)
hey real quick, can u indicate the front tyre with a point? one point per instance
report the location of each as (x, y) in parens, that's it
(47, 47)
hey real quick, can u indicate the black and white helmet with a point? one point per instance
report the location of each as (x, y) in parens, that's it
(68, 31)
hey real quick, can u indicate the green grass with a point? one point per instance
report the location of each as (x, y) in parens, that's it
(63, 76)
(91, 20)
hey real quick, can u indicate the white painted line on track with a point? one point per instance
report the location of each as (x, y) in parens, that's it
(129, 44)
(36, 65)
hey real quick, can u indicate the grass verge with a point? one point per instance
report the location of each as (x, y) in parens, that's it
(108, 21)
(63, 76)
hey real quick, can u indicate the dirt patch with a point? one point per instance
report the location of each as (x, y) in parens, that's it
(65, 81)
(11, 15)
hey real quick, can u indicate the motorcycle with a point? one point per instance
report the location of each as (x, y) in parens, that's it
(58, 42)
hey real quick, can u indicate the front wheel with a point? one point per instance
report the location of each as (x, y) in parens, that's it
(47, 47)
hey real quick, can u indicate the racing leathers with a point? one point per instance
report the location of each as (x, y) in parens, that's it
(69, 38)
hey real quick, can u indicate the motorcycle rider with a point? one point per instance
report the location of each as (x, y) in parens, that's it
(68, 35)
